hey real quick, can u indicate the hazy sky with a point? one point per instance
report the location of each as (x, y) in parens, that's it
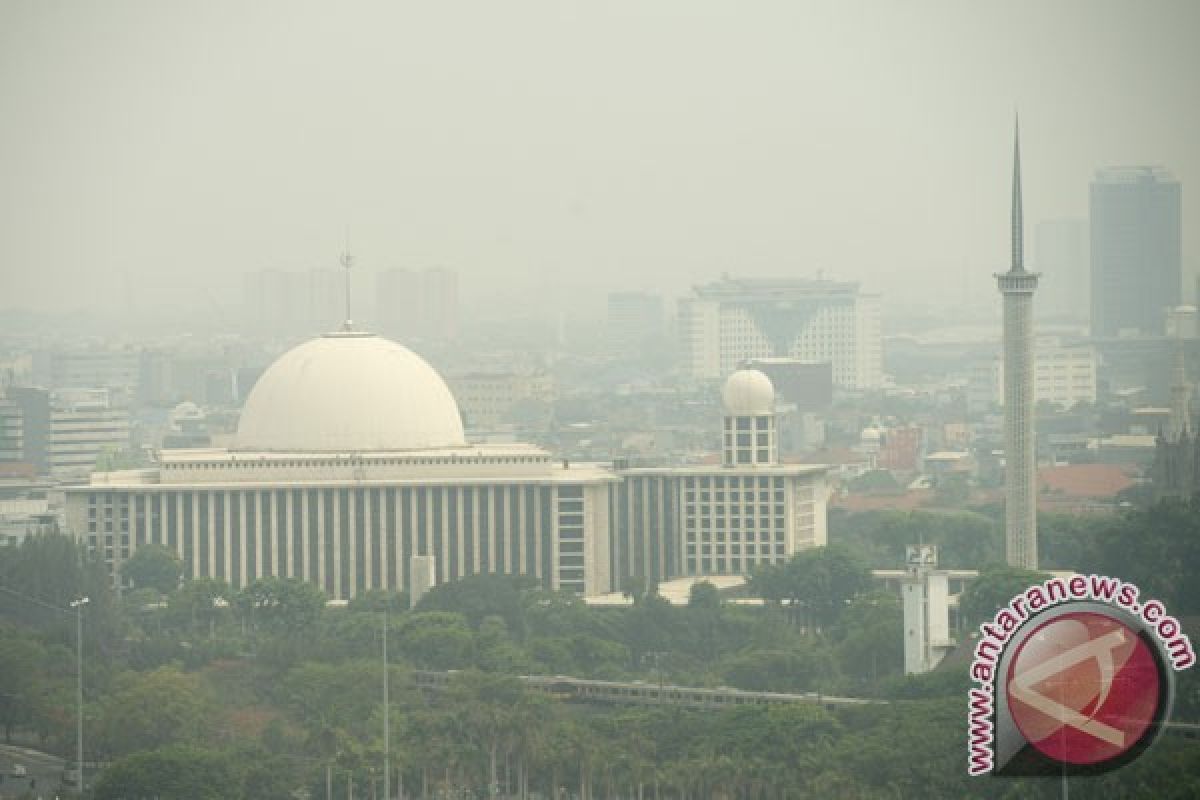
(547, 148)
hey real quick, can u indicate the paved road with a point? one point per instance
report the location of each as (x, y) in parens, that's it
(43, 768)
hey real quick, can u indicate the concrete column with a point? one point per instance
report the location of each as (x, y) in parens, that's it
(241, 512)
(321, 540)
(460, 536)
(305, 534)
(227, 533)
(289, 535)
(490, 510)
(476, 558)
(438, 495)
(195, 537)
(337, 535)
(354, 534)
(522, 543)
(553, 565)
(275, 513)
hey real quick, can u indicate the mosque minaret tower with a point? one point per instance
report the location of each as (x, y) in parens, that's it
(1020, 456)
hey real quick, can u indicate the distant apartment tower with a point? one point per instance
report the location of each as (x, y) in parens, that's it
(1062, 261)
(635, 320)
(417, 304)
(1136, 250)
(283, 301)
(65, 432)
(732, 321)
(11, 442)
(98, 368)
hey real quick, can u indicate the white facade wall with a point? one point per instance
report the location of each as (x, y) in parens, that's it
(1020, 438)
(700, 337)
(11, 432)
(349, 539)
(734, 522)
(82, 426)
(1063, 375)
(668, 523)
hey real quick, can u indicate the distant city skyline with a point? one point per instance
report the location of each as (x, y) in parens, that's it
(175, 148)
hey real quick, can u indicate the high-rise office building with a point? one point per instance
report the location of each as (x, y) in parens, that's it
(1062, 261)
(732, 321)
(417, 304)
(287, 301)
(1136, 249)
(1020, 457)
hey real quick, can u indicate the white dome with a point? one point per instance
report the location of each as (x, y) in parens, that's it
(748, 392)
(349, 391)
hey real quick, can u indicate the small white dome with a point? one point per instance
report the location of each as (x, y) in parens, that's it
(349, 391)
(748, 392)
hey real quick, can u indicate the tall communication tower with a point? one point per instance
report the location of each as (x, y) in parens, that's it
(1020, 456)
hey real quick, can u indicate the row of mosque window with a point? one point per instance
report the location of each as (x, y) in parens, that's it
(731, 482)
(733, 495)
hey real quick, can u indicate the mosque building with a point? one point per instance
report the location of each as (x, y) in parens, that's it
(349, 461)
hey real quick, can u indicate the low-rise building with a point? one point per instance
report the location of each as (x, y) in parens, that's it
(1063, 375)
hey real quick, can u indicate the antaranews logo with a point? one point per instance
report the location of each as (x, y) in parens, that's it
(1074, 675)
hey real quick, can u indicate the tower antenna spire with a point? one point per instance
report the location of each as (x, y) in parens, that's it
(347, 261)
(1018, 216)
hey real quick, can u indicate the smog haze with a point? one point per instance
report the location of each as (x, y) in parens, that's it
(151, 150)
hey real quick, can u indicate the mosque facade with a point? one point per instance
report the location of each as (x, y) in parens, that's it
(350, 460)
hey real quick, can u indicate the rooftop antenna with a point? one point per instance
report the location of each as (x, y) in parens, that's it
(347, 261)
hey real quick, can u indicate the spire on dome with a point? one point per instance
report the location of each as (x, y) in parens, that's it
(347, 261)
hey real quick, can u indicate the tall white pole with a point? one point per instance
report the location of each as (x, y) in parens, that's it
(387, 760)
(1020, 451)
(79, 694)
(78, 606)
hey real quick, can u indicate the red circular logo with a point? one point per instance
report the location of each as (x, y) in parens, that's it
(1083, 688)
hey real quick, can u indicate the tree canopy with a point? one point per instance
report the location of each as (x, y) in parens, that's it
(155, 567)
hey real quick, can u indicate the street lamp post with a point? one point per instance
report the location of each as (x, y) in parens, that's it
(387, 760)
(78, 606)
